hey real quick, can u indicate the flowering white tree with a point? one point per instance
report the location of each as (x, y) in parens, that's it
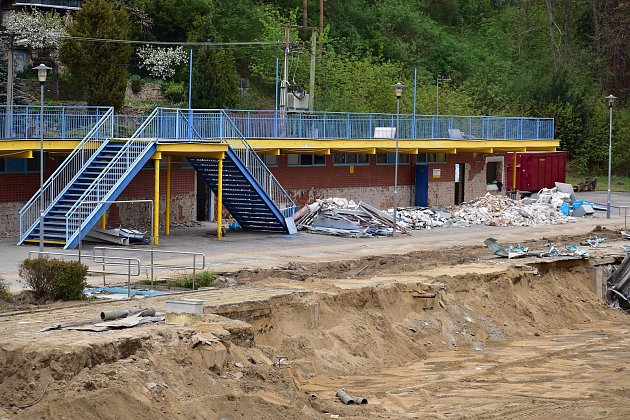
(37, 29)
(161, 62)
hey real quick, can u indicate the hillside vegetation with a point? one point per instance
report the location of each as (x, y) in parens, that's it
(547, 58)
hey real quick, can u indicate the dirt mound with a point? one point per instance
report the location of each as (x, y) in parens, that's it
(285, 357)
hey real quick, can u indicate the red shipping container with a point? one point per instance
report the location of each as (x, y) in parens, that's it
(536, 170)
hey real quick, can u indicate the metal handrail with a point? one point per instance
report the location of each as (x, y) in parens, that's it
(65, 174)
(125, 159)
(126, 262)
(152, 265)
(60, 122)
(191, 125)
(261, 173)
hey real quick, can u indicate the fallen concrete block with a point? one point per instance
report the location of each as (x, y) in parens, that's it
(583, 210)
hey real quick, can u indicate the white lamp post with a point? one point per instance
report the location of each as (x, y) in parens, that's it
(611, 102)
(42, 72)
(398, 87)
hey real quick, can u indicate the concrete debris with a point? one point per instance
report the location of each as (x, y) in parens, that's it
(618, 283)
(342, 217)
(422, 217)
(518, 251)
(494, 210)
(625, 234)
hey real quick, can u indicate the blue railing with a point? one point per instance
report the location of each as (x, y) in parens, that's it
(60, 122)
(75, 123)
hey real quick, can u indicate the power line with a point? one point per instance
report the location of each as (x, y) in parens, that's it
(187, 44)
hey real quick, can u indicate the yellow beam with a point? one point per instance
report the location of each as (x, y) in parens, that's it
(49, 145)
(167, 222)
(219, 199)
(156, 201)
(369, 151)
(104, 220)
(320, 151)
(400, 151)
(192, 149)
(275, 152)
(305, 146)
(25, 154)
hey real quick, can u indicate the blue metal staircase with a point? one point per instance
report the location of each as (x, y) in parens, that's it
(77, 194)
(243, 197)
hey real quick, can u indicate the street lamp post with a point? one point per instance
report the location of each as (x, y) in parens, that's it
(398, 87)
(42, 72)
(611, 102)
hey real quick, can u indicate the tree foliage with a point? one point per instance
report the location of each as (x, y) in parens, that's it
(100, 68)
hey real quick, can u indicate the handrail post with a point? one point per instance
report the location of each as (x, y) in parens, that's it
(194, 272)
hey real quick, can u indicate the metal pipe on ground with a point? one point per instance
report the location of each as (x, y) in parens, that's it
(349, 399)
(113, 315)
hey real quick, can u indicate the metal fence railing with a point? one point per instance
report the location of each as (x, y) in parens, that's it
(216, 125)
(22, 122)
(60, 122)
(65, 174)
(114, 173)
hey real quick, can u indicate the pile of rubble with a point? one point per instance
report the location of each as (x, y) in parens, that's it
(422, 217)
(497, 210)
(342, 217)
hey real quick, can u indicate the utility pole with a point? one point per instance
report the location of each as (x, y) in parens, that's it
(321, 16)
(9, 127)
(285, 72)
(311, 85)
(305, 13)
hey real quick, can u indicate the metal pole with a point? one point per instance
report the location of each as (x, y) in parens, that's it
(437, 96)
(609, 162)
(41, 169)
(396, 163)
(413, 127)
(128, 279)
(152, 242)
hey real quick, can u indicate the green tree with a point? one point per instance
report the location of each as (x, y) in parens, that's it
(215, 80)
(100, 68)
(172, 19)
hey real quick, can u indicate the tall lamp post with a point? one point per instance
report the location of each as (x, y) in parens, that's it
(42, 72)
(398, 87)
(611, 103)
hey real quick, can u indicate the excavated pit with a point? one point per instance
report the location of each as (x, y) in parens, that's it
(413, 336)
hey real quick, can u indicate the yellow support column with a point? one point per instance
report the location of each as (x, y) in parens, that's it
(167, 222)
(104, 221)
(156, 202)
(514, 171)
(220, 200)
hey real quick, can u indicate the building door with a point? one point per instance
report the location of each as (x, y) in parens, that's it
(422, 185)
(459, 182)
(202, 199)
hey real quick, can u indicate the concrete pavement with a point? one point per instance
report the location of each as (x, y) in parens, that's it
(249, 250)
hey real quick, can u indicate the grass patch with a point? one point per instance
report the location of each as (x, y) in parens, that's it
(617, 183)
(185, 281)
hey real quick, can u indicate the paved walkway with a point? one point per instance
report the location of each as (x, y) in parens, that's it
(250, 250)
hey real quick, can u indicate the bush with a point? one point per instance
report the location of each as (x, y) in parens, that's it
(53, 279)
(136, 84)
(203, 279)
(174, 92)
(4, 290)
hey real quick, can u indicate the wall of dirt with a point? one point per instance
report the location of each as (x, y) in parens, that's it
(335, 327)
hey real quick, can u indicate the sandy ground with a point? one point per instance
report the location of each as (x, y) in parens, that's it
(431, 327)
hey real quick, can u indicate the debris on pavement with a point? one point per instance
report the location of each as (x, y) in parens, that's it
(110, 320)
(342, 217)
(518, 251)
(495, 210)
